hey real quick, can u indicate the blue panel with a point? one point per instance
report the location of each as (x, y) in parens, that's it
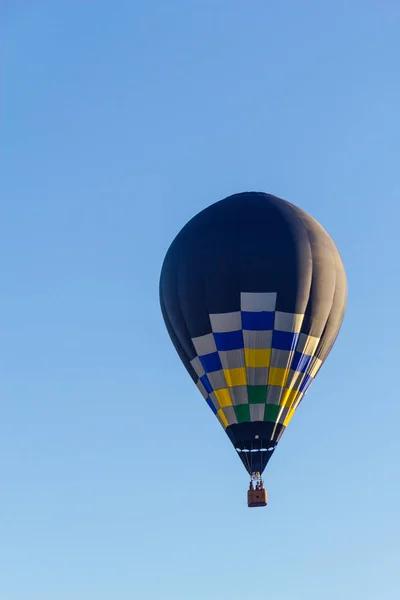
(305, 384)
(301, 362)
(211, 405)
(284, 340)
(258, 321)
(233, 340)
(207, 385)
(211, 362)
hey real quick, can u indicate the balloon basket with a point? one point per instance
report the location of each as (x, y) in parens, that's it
(257, 494)
(257, 498)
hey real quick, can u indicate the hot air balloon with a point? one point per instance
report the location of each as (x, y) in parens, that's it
(253, 293)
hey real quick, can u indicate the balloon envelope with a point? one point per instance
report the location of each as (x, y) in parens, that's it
(253, 293)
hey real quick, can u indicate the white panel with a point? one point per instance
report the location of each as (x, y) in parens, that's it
(197, 366)
(288, 322)
(257, 339)
(274, 393)
(315, 367)
(239, 394)
(294, 380)
(257, 412)
(230, 414)
(280, 359)
(215, 400)
(217, 380)
(282, 414)
(257, 375)
(298, 400)
(202, 389)
(257, 302)
(224, 322)
(205, 344)
(307, 344)
(232, 359)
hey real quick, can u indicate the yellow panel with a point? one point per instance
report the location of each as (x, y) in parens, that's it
(222, 419)
(288, 397)
(224, 397)
(288, 418)
(277, 376)
(257, 358)
(235, 376)
(316, 364)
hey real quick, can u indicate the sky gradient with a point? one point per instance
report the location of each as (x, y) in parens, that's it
(120, 122)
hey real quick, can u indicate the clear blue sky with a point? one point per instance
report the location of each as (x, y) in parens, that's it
(121, 120)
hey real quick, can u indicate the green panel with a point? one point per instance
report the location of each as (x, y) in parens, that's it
(242, 413)
(271, 412)
(257, 394)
